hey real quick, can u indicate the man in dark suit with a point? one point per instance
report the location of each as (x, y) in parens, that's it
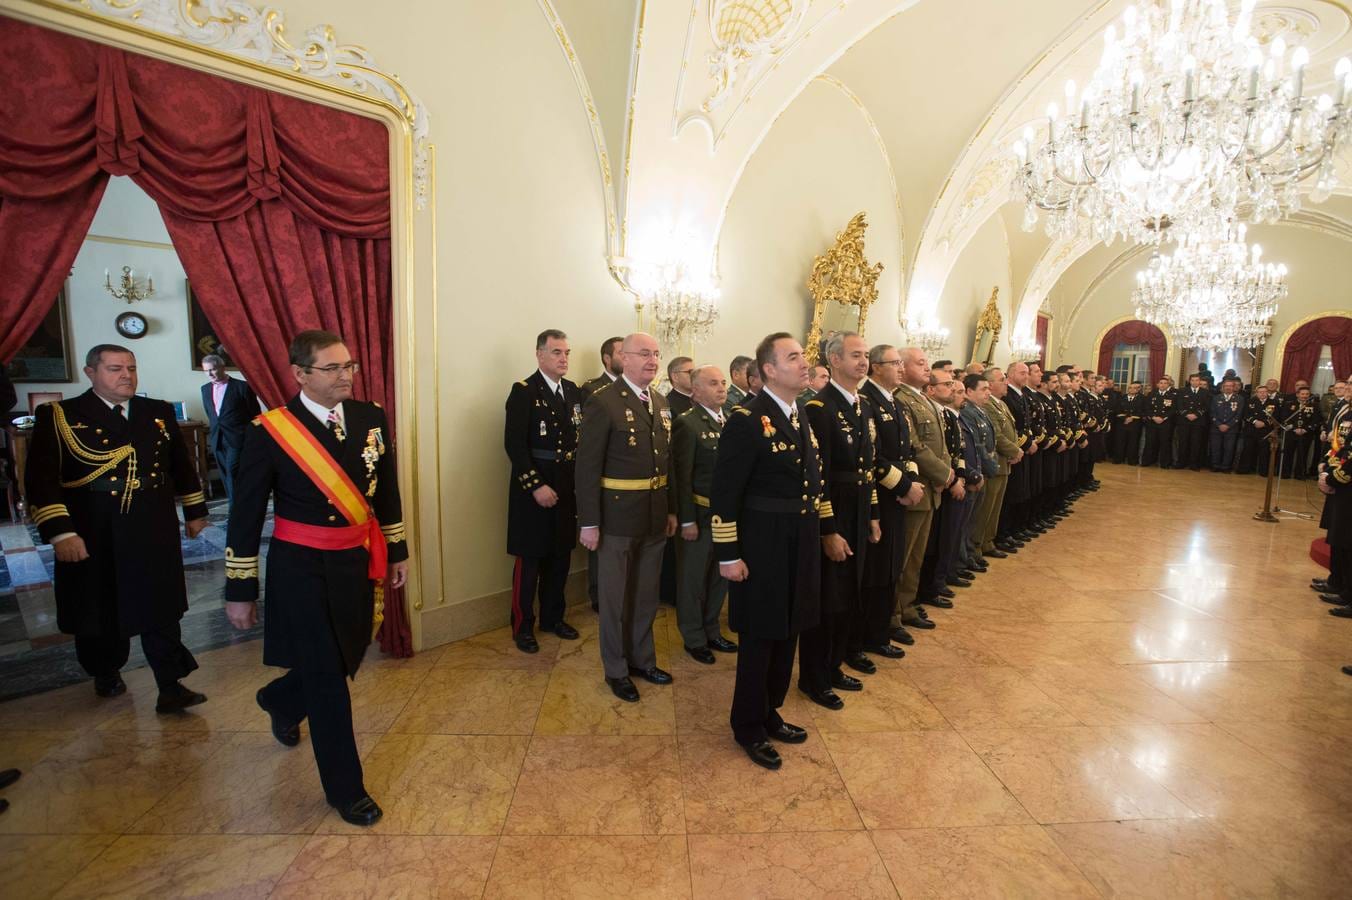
(543, 413)
(1193, 426)
(338, 538)
(694, 450)
(1161, 411)
(899, 489)
(1127, 418)
(842, 425)
(612, 367)
(678, 373)
(766, 498)
(625, 511)
(230, 405)
(104, 472)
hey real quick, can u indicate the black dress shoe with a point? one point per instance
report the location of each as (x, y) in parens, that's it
(624, 689)
(980, 566)
(788, 734)
(526, 643)
(861, 663)
(1320, 585)
(957, 581)
(701, 655)
(825, 698)
(918, 622)
(109, 685)
(178, 698)
(364, 812)
(842, 682)
(1347, 670)
(722, 644)
(968, 573)
(946, 593)
(887, 651)
(1335, 599)
(901, 636)
(937, 602)
(764, 755)
(565, 631)
(286, 735)
(1342, 612)
(997, 553)
(9, 776)
(652, 676)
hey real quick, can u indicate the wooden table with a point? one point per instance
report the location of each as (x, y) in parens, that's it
(194, 433)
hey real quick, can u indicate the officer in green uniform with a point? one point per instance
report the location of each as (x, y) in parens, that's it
(694, 450)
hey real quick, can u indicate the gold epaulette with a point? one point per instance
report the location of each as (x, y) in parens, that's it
(240, 568)
(394, 533)
(723, 532)
(814, 402)
(522, 382)
(741, 409)
(47, 513)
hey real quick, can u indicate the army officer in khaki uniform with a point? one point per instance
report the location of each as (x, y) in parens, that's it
(625, 511)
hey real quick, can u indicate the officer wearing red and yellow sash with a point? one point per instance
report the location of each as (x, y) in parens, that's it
(105, 470)
(326, 462)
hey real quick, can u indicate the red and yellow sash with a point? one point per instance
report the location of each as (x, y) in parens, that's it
(363, 529)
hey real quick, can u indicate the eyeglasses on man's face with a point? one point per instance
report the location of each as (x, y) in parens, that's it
(347, 368)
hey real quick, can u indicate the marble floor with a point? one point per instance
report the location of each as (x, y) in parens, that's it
(1147, 702)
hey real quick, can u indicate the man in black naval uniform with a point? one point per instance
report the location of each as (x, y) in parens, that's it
(767, 534)
(1160, 413)
(843, 426)
(543, 413)
(104, 471)
(694, 451)
(897, 476)
(321, 600)
(1260, 422)
(1193, 424)
(612, 367)
(1127, 418)
(1302, 431)
(1019, 495)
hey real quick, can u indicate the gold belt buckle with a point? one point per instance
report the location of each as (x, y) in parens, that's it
(652, 482)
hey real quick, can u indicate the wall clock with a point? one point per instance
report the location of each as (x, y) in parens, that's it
(132, 325)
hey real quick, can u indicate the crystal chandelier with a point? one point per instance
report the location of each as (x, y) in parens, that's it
(1185, 123)
(928, 335)
(1214, 292)
(1025, 347)
(683, 303)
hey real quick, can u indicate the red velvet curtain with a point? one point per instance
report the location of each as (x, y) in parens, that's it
(278, 208)
(1302, 351)
(1040, 335)
(1131, 333)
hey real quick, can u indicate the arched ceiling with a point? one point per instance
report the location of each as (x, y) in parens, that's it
(947, 84)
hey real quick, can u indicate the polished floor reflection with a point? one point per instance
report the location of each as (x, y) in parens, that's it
(1147, 702)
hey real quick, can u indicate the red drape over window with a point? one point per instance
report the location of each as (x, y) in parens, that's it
(279, 209)
(1301, 354)
(1043, 324)
(1130, 333)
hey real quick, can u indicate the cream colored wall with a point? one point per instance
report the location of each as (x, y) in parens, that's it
(164, 364)
(818, 166)
(1320, 280)
(983, 264)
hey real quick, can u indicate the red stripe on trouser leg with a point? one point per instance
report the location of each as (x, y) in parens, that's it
(516, 596)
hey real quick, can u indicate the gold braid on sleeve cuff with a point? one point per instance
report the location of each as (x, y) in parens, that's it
(873, 498)
(192, 499)
(394, 533)
(825, 511)
(49, 512)
(892, 478)
(723, 532)
(912, 467)
(240, 568)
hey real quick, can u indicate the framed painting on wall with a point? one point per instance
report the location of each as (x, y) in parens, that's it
(202, 336)
(46, 357)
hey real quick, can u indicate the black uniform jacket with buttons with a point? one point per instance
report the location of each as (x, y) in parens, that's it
(845, 438)
(694, 452)
(622, 445)
(1163, 404)
(81, 462)
(1192, 402)
(895, 470)
(766, 502)
(541, 441)
(319, 603)
(1132, 406)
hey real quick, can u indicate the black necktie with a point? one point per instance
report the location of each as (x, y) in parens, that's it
(117, 408)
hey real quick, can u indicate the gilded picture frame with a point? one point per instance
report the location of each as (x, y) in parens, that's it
(46, 357)
(988, 326)
(843, 285)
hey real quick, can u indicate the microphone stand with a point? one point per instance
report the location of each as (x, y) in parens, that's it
(1273, 474)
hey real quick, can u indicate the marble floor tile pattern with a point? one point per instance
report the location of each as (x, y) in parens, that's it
(1147, 702)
